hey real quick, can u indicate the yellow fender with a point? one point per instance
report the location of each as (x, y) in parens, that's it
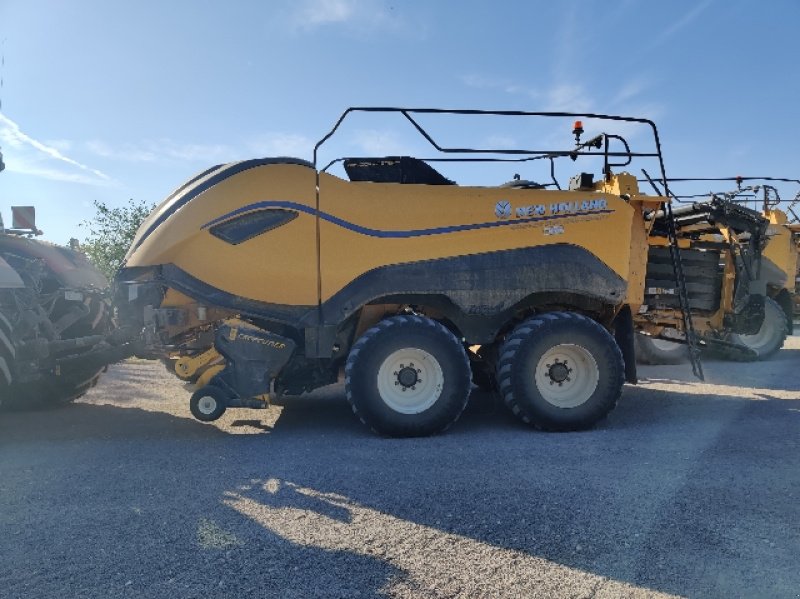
(187, 367)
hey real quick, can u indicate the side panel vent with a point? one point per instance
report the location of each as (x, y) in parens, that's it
(244, 227)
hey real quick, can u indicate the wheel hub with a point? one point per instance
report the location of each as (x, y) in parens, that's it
(207, 404)
(407, 376)
(410, 380)
(566, 375)
(558, 372)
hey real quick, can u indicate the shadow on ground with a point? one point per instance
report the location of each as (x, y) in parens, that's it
(683, 494)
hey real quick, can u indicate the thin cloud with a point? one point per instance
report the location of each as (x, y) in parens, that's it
(193, 152)
(568, 98)
(362, 15)
(282, 144)
(167, 150)
(126, 153)
(629, 90)
(15, 165)
(12, 135)
(500, 141)
(568, 43)
(322, 12)
(380, 143)
(679, 24)
(557, 97)
(505, 85)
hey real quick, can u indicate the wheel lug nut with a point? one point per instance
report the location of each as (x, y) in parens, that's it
(413, 387)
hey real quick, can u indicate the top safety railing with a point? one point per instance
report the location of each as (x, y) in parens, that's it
(586, 148)
(771, 197)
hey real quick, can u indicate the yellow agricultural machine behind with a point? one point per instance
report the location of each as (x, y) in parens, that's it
(297, 277)
(746, 276)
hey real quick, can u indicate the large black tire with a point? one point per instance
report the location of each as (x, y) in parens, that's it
(659, 351)
(8, 353)
(408, 376)
(56, 391)
(560, 371)
(772, 334)
(51, 391)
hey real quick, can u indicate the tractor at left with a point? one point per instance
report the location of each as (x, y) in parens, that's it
(57, 331)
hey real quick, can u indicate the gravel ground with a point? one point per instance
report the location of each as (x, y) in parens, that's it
(687, 489)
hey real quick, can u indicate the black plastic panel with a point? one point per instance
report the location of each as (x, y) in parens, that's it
(252, 224)
(394, 169)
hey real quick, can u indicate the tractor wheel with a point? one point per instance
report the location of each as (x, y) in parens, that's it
(408, 376)
(659, 351)
(60, 390)
(560, 371)
(8, 354)
(51, 391)
(54, 391)
(208, 403)
(771, 335)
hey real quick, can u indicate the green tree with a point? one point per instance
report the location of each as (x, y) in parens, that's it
(111, 232)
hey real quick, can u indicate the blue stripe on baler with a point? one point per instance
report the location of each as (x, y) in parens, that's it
(390, 234)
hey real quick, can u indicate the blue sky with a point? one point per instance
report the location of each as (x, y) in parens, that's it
(112, 100)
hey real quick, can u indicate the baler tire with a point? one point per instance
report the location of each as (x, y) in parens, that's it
(597, 369)
(658, 351)
(381, 367)
(772, 334)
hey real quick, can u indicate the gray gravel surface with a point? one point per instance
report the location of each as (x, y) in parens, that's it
(688, 489)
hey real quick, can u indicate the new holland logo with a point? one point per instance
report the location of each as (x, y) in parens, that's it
(502, 209)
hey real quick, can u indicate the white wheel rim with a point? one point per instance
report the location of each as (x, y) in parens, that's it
(405, 392)
(567, 375)
(663, 345)
(206, 405)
